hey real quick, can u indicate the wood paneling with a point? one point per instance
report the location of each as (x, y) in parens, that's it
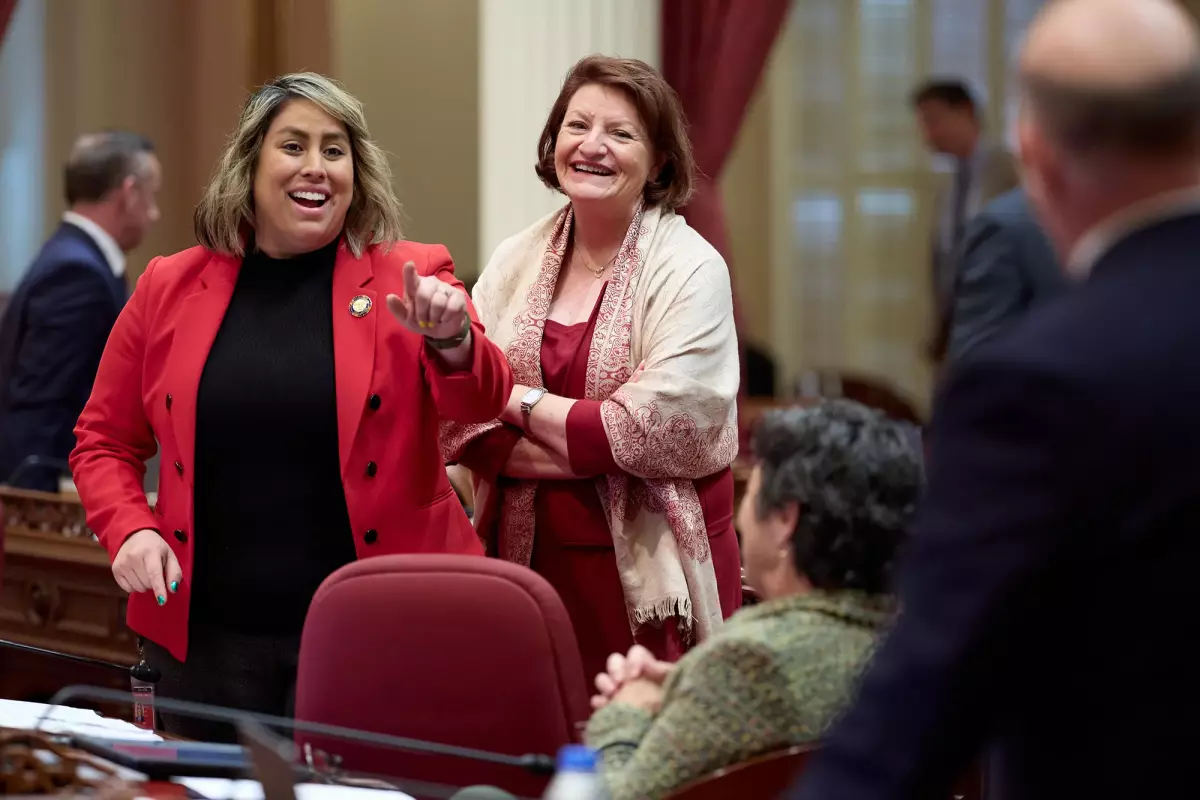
(58, 594)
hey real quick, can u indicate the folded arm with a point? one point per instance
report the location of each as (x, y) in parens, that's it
(723, 709)
(672, 418)
(114, 438)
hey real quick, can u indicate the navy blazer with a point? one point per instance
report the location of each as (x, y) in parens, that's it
(1051, 602)
(51, 337)
(1006, 267)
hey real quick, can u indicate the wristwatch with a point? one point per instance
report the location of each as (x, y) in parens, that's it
(530, 400)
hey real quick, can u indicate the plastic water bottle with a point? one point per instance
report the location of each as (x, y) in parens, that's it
(575, 777)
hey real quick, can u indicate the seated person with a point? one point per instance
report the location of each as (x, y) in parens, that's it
(825, 511)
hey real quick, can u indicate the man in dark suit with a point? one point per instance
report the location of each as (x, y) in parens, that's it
(60, 314)
(1049, 607)
(1007, 266)
(951, 124)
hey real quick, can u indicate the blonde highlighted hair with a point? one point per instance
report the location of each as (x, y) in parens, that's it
(226, 212)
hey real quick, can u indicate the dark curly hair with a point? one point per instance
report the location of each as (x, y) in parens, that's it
(856, 476)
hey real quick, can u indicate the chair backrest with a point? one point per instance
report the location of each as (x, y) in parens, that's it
(765, 776)
(769, 775)
(459, 650)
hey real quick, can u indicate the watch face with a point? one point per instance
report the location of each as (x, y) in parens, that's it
(533, 395)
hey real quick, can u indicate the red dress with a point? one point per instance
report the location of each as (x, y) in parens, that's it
(573, 546)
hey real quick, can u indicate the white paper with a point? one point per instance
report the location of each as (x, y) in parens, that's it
(67, 720)
(222, 789)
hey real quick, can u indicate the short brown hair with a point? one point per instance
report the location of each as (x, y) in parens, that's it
(950, 92)
(1158, 120)
(100, 162)
(659, 109)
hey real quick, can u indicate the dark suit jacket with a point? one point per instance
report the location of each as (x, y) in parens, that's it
(1006, 267)
(51, 338)
(1049, 605)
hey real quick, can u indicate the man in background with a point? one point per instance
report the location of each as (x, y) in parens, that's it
(1006, 267)
(1048, 608)
(59, 316)
(951, 124)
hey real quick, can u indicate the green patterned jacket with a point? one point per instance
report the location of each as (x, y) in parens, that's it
(775, 675)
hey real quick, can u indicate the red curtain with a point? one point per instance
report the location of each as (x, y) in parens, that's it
(713, 54)
(6, 11)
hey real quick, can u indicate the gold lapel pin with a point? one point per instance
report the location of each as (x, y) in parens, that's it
(360, 306)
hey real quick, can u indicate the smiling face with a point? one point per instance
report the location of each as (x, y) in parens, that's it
(304, 181)
(603, 155)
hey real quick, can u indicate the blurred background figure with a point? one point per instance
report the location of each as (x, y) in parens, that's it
(1006, 268)
(1049, 599)
(951, 124)
(60, 314)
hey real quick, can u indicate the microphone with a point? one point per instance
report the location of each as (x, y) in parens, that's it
(141, 677)
(535, 763)
(41, 651)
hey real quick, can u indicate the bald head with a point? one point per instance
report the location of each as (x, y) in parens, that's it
(1115, 75)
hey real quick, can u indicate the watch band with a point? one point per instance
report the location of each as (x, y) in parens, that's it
(527, 405)
(451, 342)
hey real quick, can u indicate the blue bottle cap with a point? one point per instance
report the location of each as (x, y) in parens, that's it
(576, 758)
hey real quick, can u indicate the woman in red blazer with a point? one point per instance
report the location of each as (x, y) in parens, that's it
(296, 416)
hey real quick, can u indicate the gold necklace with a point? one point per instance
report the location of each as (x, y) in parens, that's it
(598, 272)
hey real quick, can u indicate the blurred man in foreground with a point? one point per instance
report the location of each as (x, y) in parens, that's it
(1049, 608)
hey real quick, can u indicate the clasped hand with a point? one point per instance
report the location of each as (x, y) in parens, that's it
(430, 306)
(635, 679)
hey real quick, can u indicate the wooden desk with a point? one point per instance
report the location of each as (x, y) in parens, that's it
(58, 593)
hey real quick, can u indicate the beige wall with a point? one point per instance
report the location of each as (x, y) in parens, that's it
(174, 71)
(414, 64)
(179, 70)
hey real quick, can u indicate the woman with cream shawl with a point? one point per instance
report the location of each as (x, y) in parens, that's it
(609, 471)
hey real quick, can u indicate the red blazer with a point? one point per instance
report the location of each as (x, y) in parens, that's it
(391, 393)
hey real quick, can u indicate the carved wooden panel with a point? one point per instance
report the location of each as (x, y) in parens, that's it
(58, 594)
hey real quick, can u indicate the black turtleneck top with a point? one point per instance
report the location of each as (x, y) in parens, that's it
(270, 510)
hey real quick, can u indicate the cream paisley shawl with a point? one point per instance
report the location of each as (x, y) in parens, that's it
(669, 307)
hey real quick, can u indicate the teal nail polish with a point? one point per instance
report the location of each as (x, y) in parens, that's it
(162, 600)
(174, 586)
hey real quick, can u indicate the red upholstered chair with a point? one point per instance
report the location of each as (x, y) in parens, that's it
(460, 650)
(768, 776)
(765, 776)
